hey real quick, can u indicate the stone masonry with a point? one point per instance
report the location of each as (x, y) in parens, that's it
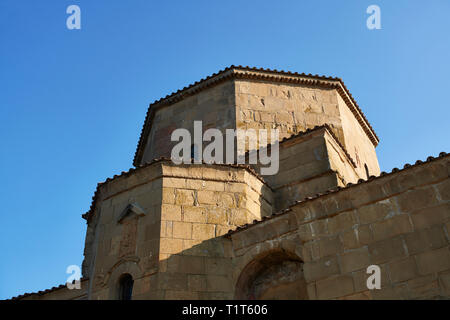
(223, 231)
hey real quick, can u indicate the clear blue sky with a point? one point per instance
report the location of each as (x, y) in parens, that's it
(72, 102)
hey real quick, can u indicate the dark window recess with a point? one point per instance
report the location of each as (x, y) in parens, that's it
(125, 287)
(367, 171)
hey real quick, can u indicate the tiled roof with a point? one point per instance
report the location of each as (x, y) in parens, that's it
(335, 190)
(42, 292)
(240, 72)
(88, 215)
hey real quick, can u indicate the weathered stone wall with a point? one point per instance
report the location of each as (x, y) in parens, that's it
(201, 203)
(130, 245)
(310, 163)
(319, 248)
(247, 104)
(289, 108)
(341, 162)
(214, 106)
(168, 225)
(295, 108)
(400, 222)
(173, 249)
(357, 142)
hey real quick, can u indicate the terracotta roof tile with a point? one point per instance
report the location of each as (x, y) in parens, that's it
(42, 292)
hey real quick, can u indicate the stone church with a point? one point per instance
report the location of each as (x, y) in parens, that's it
(224, 231)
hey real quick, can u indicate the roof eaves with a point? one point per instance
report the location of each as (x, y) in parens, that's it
(42, 292)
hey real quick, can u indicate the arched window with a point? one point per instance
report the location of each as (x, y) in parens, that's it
(125, 287)
(367, 171)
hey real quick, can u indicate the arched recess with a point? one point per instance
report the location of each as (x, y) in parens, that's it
(126, 283)
(273, 275)
(117, 272)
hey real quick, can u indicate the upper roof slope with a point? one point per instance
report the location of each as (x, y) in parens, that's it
(240, 72)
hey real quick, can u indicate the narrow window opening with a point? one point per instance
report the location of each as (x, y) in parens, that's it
(125, 287)
(367, 171)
